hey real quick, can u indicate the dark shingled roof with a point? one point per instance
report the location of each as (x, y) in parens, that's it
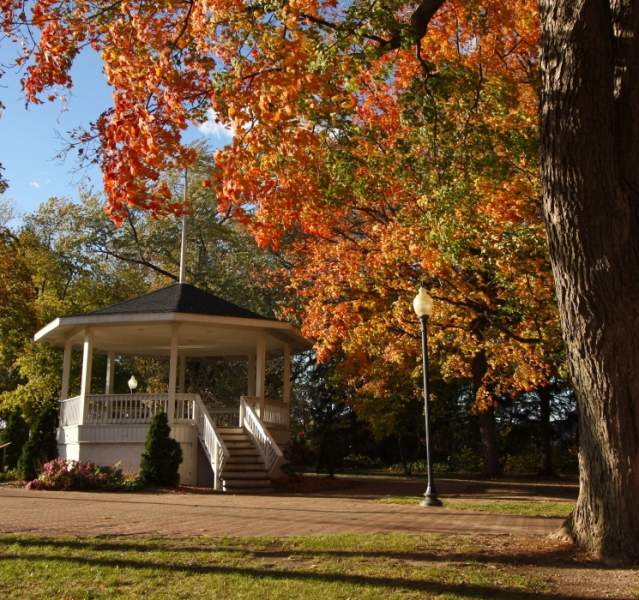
(178, 298)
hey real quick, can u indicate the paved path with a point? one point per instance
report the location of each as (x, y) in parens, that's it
(179, 514)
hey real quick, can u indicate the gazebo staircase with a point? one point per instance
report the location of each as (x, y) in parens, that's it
(243, 456)
(244, 470)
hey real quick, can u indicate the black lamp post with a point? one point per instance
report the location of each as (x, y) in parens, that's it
(423, 306)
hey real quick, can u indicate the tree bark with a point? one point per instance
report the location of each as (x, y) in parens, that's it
(486, 419)
(590, 173)
(490, 453)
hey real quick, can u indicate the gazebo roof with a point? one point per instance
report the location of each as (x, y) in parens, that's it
(207, 326)
(178, 298)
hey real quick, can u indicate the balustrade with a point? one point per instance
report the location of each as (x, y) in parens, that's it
(270, 451)
(214, 446)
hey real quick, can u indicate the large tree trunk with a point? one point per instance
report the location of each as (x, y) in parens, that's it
(590, 170)
(490, 453)
(486, 420)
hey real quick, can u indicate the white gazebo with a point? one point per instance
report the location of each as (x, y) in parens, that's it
(237, 448)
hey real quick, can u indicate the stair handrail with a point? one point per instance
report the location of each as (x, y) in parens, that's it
(267, 446)
(212, 441)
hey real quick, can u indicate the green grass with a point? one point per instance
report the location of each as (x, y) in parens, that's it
(321, 568)
(524, 508)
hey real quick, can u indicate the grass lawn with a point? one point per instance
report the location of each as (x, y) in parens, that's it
(325, 567)
(524, 508)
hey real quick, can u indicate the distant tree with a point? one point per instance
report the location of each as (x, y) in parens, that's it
(17, 311)
(16, 433)
(41, 446)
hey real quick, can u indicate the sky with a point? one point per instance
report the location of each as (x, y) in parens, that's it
(31, 137)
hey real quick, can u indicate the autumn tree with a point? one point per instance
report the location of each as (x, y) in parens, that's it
(381, 146)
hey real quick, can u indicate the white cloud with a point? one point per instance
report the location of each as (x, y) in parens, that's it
(215, 129)
(35, 184)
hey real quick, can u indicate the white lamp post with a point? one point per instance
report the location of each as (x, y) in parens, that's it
(133, 384)
(423, 306)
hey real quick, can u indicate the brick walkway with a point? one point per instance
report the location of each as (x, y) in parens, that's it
(179, 514)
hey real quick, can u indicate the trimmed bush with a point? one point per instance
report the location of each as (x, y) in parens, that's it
(16, 433)
(162, 455)
(41, 446)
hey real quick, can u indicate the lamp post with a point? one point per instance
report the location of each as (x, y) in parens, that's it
(423, 306)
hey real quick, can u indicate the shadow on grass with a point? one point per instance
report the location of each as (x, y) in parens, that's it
(431, 587)
(558, 558)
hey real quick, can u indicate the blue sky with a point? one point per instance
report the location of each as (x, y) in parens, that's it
(31, 136)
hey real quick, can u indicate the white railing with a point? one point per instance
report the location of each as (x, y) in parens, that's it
(266, 445)
(275, 413)
(184, 407)
(225, 417)
(70, 411)
(118, 409)
(214, 446)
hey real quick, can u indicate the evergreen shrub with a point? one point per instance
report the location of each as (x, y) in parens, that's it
(162, 455)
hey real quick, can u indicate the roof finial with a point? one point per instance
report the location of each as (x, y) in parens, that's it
(183, 247)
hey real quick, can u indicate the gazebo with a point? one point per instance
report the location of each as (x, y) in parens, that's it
(234, 448)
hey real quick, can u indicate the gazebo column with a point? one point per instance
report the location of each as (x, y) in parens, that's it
(250, 372)
(286, 375)
(110, 373)
(260, 374)
(66, 370)
(87, 369)
(173, 368)
(182, 374)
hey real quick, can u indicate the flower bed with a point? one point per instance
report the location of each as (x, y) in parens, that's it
(63, 474)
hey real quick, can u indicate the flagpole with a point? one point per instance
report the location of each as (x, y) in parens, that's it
(183, 247)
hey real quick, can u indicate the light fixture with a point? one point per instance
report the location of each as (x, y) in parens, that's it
(133, 383)
(423, 303)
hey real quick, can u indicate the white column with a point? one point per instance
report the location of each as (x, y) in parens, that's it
(182, 374)
(250, 369)
(260, 373)
(286, 375)
(66, 370)
(173, 359)
(87, 368)
(110, 373)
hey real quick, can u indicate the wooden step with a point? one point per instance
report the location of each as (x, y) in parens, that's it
(240, 435)
(230, 431)
(239, 443)
(244, 474)
(245, 452)
(246, 483)
(257, 460)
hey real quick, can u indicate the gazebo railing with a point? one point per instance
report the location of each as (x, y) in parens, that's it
(225, 417)
(120, 409)
(70, 411)
(275, 413)
(267, 446)
(213, 444)
(139, 408)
